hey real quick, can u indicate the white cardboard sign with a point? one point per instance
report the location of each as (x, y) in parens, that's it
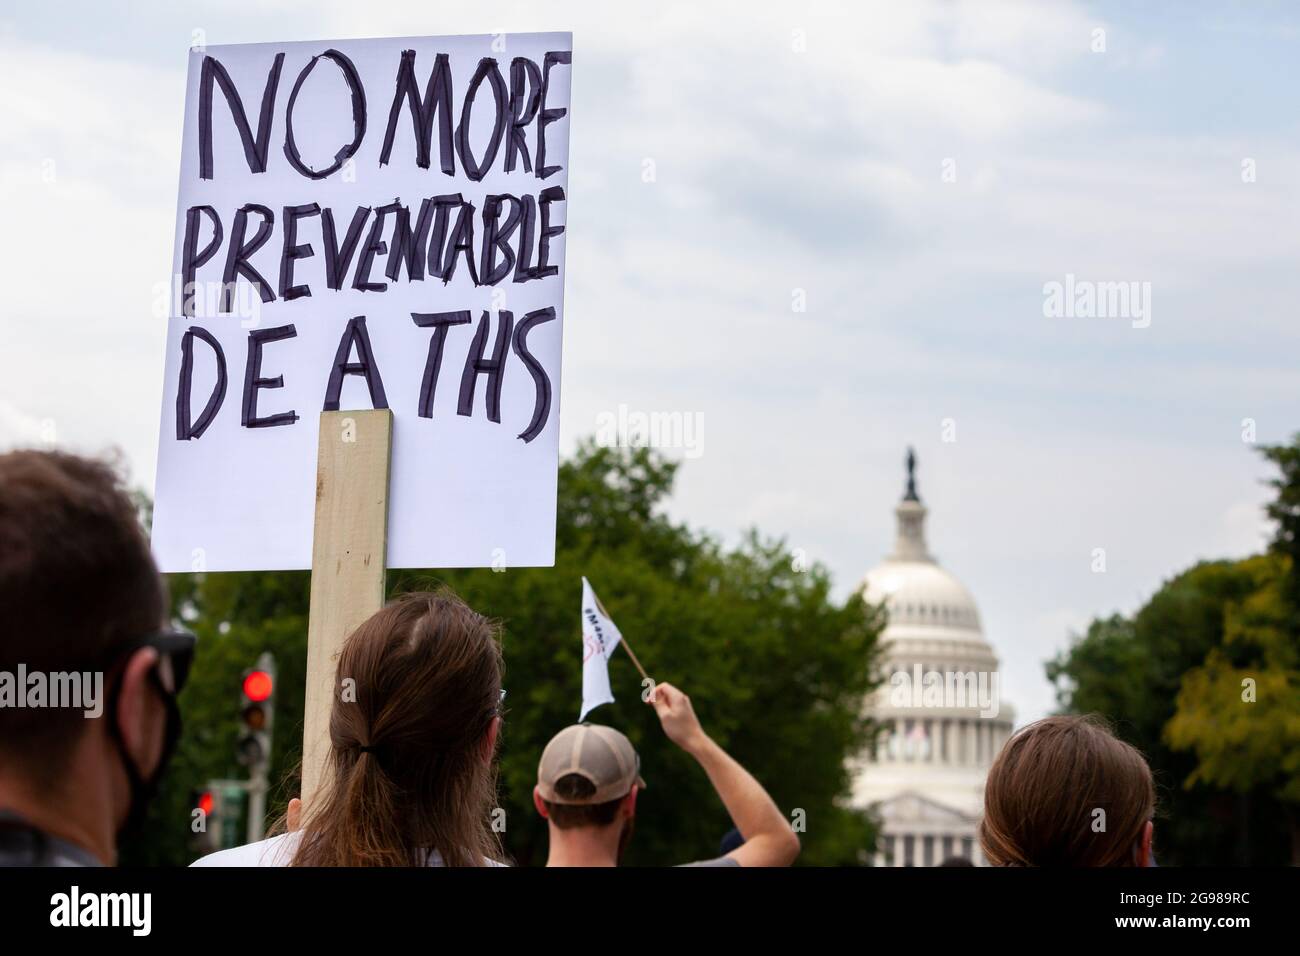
(364, 224)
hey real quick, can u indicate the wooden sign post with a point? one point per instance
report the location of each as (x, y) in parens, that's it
(349, 552)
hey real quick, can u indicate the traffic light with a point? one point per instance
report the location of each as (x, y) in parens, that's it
(203, 838)
(256, 715)
(215, 813)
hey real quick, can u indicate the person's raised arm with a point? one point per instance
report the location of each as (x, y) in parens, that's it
(769, 840)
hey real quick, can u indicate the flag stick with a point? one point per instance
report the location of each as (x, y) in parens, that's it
(630, 653)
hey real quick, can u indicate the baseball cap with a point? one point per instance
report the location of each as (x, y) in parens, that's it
(600, 755)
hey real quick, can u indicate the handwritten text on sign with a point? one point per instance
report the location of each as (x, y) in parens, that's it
(374, 223)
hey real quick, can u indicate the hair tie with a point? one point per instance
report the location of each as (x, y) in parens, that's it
(367, 749)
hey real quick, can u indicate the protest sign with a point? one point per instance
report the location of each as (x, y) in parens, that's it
(367, 224)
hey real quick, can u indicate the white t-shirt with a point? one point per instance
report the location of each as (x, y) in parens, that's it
(278, 851)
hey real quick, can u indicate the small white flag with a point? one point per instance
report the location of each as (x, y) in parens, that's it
(599, 638)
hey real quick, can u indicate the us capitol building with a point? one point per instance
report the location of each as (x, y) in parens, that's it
(939, 705)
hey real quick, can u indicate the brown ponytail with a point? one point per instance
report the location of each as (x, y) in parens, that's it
(419, 685)
(1066, 792)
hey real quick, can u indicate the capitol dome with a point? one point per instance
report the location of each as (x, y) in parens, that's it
(939, 704)
(921, 594)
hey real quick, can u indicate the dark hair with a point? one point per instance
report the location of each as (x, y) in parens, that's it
(406, 772)
(568, 816)
(77, 582)
(1066, 792)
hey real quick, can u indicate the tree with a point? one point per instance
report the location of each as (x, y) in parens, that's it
(776, 669)
(1239, 712)
(1205, 680)
(236, 618)
(1284, 509)
(1133, 671)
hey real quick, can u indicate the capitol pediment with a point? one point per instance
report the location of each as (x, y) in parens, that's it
(911, 807)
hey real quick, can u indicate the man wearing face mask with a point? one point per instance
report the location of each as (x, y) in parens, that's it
(89, 672)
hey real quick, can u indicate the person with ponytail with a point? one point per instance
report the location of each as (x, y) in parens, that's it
(413, 732)
(1065, 791)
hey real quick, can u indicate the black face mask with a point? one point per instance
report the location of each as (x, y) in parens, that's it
(144, 788)
(176, 650)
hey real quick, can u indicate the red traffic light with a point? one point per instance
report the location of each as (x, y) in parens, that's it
(258, 686)
(206, 802)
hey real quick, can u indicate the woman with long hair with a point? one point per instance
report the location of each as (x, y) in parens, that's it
(1065, 791)
(413, 731)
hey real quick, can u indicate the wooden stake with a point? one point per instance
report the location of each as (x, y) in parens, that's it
(349, 559)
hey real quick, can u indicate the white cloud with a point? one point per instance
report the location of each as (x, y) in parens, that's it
(88, 183)
(21, 430)
(818, 170)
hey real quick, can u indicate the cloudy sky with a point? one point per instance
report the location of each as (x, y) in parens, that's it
(825, 230)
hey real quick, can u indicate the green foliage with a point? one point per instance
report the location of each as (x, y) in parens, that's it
(1240, 710)
(776, 669)
(1284, 509)
(1132, 671)
(236, 617)
(1228, 767)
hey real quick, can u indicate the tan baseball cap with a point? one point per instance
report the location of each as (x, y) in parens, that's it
(600, 755)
